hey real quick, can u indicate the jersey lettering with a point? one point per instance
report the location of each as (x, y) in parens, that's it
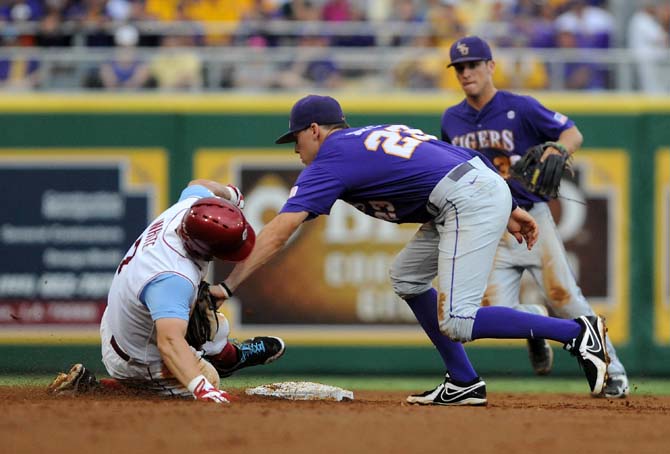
(152, 234)
(380, 209)
(487, 138)
(130, 256)
(397, 140)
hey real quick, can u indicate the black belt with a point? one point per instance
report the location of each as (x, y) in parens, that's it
(460, 170)
(118, 350)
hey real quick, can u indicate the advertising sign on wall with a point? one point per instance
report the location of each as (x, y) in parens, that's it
(591, 214)
(662, 249)
(68, 218)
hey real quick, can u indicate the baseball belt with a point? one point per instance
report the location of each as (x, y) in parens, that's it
(124, 356)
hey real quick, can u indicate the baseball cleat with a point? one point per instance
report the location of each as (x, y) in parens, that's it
(541, 356)
(78, 380)
(616, 386)
(589, 348)
(254, 352)
(450, 392)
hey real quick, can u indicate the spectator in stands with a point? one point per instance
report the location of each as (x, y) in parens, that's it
(50, 33)
(420, 71)
(17, 72)
(21, 10)
(356, 15)
(649, 41)
(580, 73)
(177, 67)
(256, 73)
(592, 26)
(92, 15)
(126, 71)
(223, 15)
(445, 22)
(522, 70)
(405, 11)
(299, 10)
(124, 10)
(536, 22)
(336, 11)
(313, 67)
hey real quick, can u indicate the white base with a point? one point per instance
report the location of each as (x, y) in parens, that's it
(301, 390)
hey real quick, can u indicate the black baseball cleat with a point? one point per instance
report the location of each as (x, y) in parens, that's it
(451, 392)
(541, 356)
(78, 380)
(590, 349)
(254, 352)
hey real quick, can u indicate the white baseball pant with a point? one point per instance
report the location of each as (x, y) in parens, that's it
(154, 376)
(472, 205)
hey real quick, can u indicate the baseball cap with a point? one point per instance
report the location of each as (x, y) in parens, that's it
(322, 110)
(470, 48)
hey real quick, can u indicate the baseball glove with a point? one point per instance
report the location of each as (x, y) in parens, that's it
(203, 322)
(542, 177)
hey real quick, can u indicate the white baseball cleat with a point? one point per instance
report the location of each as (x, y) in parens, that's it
(450, 392)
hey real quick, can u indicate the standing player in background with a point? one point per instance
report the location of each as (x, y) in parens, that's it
(152, 298)
(502, 126)
(399, 174)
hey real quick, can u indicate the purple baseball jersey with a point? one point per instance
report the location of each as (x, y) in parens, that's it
(502, 131)
(385, 171)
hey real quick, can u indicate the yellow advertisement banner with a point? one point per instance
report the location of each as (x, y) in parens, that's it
(662, 248)
(592, 216)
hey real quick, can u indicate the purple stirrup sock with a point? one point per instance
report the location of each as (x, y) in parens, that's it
(506, 323)
(453, 354)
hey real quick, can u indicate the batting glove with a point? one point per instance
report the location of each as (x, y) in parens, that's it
(236, 197)
(203, 390)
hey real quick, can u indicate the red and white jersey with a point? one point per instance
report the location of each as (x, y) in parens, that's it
(159, 250)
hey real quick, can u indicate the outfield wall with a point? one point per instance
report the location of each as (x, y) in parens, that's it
(81, 175)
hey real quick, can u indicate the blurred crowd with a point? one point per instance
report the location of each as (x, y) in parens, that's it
(157, 44)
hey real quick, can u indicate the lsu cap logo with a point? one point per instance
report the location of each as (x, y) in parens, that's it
(463, 48)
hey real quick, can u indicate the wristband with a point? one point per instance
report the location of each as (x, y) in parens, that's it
(226, 289)
(560, 147)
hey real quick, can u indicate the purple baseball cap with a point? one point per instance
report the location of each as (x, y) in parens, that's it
(322, 110)
(470, 48)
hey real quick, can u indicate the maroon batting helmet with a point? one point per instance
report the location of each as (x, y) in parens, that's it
(214, 227)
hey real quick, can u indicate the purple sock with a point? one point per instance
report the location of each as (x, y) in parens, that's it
(506, 323)
(453, 354)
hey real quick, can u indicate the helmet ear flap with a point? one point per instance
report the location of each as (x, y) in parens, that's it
(213, 227)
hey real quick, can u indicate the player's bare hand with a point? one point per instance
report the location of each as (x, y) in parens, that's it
(555, 148)
(220, 292)
(523, 226)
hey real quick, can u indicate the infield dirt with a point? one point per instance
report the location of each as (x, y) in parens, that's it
(375, 422)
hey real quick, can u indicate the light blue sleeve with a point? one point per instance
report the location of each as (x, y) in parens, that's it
(195, 191)
(168, 296)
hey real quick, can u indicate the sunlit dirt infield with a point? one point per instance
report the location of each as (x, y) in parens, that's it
(375, 422)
